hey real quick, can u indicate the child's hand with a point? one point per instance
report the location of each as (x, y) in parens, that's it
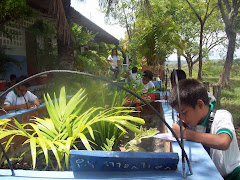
(176, 129)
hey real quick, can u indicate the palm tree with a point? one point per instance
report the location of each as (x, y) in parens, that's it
(61, 11)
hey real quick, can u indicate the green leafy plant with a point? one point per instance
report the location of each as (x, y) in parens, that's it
(109, 145)
(144, 133)
(69, 122)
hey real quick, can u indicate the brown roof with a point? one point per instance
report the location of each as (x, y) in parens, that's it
(102, 35)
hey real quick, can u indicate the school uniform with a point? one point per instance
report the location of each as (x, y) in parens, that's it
(13, 98)
(228, 161)
(147, 86)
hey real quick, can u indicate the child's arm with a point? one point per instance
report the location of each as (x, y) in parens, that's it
(216, 141)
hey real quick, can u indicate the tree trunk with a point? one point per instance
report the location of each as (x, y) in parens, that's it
(200, 53)
(190, 65)
(190, 70)
(65, 49)
(225, 75)
(179, 60)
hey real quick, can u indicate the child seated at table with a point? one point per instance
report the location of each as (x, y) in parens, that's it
(146, 81)
(20, 97)
(214, 130)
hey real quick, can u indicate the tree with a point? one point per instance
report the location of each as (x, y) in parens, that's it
(229, 11)
(60, 9)
(202, 20)
(11, 10)
(125, 12)
(185, 18)
(155, 38)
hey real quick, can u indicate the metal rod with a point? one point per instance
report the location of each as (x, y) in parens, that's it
(5, 155)
(181, 124)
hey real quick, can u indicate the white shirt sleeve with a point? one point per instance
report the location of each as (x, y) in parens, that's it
(109, 57)
(31, 96)
(9, 99)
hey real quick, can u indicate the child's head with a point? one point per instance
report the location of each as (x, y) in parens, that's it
(194, 101)
(13, 79)
(147, 76)
(23, 88)
(134, 70)
(181, 75)
(114, 52)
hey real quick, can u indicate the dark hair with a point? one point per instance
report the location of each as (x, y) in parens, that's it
(190, 91)
(148, 74)
(134, 69)
(26, 84)
(112, 52)
(180, 74)
(13, 76)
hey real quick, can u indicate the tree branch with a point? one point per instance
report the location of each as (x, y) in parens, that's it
(199, 18)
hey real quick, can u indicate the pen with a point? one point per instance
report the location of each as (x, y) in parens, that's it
(183, 123)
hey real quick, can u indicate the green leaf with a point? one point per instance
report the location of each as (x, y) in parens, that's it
(33, 151)
(42, 143)
(85, 141)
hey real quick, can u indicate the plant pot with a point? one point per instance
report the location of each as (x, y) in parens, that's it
(2, 84)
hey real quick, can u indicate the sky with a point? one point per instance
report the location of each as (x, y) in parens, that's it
(90, 10)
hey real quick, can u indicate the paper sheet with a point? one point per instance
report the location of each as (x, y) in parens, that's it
(161, 100)
(165, 136)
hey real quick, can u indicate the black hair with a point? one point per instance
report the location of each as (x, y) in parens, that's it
(134, 69)
(112, 52)
(181, 75)
(26, 84)
(148, 74)
(190, 91)
(13, 76)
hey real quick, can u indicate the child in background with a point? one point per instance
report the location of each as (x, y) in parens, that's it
(182, 75)
(134, 75)
(146, 81)
(114, 61)
(13, 80)
(221, 139)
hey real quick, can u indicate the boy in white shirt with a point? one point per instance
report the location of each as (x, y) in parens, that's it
(196, 112)
(20, 98)
(146, 81)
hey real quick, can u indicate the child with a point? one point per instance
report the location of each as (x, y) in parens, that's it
(20, 97)
(221, 139)
(134, 75)
(114, 60)
(146, 81)
(182, 75)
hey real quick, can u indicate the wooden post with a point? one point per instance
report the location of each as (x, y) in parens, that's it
(206, 84)
(217, 93)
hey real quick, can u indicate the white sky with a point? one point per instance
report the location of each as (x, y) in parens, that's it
(90, 10)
